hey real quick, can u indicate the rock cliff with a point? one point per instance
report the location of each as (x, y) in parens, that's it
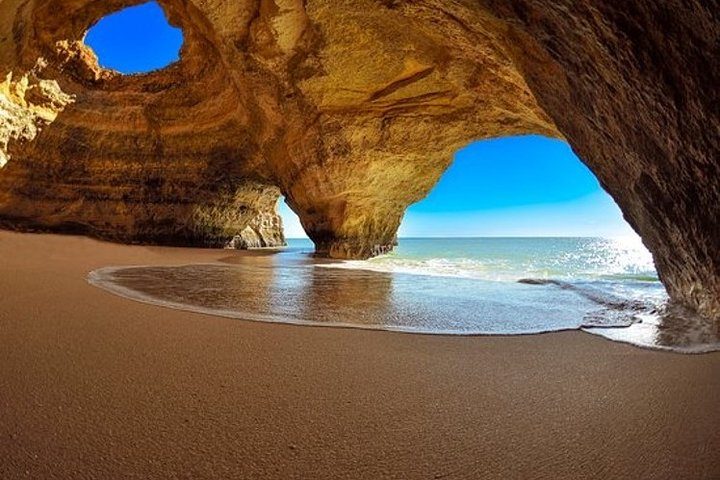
(352, 110)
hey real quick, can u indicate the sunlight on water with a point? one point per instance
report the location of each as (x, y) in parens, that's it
(510, 259)
(449, 286)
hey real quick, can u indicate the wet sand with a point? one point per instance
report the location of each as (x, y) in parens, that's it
(97, 386)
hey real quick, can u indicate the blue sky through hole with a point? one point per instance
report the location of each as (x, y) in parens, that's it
(136, 39)
(512, 186)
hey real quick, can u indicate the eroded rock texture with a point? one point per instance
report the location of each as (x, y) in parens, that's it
(161, 158)
(263, 230)
(27, 104)
(634, 88)
(352, 110)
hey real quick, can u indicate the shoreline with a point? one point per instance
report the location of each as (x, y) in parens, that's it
(637, 322)
(95, 385)
(132, 295)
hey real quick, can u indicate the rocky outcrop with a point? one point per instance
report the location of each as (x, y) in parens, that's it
(352, 110)
(263, 231)
(27, 104)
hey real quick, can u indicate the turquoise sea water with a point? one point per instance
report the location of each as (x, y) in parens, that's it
(464, 286)
(513, 258)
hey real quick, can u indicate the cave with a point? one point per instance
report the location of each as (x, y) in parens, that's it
(352, 110)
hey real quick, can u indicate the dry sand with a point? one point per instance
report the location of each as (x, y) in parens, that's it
(96, 386)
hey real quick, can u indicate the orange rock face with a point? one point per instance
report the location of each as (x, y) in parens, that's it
(352, 110)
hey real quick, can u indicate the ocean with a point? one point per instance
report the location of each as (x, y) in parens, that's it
(452, 286)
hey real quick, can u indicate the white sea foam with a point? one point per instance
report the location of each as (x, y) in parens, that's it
(688, 334)
(438, 267)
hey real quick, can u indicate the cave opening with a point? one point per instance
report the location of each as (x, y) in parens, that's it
(292, 227)
(522, 206)
(525, 185)
(529, 188)
(135, 40)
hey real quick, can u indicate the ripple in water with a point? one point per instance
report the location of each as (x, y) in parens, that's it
(293, 288)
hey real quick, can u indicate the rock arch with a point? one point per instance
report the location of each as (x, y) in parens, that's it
(352, 109)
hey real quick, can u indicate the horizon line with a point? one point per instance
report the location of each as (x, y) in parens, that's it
(633, 234)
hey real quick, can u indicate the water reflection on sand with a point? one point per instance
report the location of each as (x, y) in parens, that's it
(298, 289)
(670, 327)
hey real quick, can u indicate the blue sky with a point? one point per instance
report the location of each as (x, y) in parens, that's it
(136, 39)
(513, 186)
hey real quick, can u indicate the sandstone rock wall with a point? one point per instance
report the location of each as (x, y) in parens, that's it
(27, 104)
(634, 88)
(158, 158)
(263, 231)
(352, 110)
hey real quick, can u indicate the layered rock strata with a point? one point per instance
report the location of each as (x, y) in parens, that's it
(353, 109)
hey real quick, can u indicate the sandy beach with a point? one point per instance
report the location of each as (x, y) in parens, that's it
(97, 386)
